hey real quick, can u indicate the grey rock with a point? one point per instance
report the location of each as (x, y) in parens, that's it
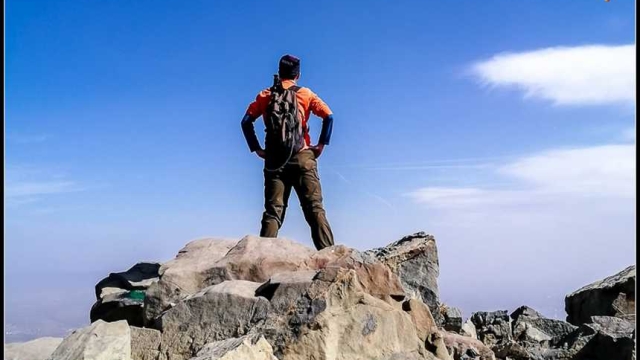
(612, 296)
(191, 271)
(451, 318)
(603, 338)
(414, 259)
(226, 310)
(38, 349)
(492, 327)
(99, 341)
(529, 325)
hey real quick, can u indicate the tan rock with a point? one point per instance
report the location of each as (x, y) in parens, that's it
(257, 259)
(98, 341)
(187, 274)
(244, 348)
(145, 343)
(374, 277)
(426, 328)
(356, 325)
(38, 349)
(460, 344)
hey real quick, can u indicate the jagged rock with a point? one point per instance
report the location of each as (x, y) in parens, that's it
(38, 349)
(451, 318)
(226, 310)
(468, 329)
(99, 341)
(145, 343)
(354, 325)
(466, 348)
(414, 259)
(243, 348)
(120, 296)
(612, 296)
(375, 278)
(613, 338)
(187, 274)
(529, 325)
(492, 327)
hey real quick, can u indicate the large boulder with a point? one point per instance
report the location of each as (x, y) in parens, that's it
(188, 273)
(612, 296)
(120, 296)
(354, 325)
(243, 348)
(414, 259)
(38, 349)
(99, 341)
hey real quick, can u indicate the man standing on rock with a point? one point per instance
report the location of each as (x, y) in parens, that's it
(289, 158)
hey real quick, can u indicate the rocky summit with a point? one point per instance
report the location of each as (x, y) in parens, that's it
(275, 299)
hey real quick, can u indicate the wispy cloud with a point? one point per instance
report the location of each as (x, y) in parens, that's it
(365, 192)
(24, 139)
(26, 184)
(580, 75)
(30, 189)
(600, 171)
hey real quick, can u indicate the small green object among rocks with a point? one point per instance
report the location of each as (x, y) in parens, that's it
(136, 294)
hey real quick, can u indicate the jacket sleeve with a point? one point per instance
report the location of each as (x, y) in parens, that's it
(249, 132)
(322, 110)
(254, 111)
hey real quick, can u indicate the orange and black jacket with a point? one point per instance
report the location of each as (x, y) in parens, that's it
(308, 102)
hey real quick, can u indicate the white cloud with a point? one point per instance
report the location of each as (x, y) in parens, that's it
(556, 175)
(581, 75)
(600, 170)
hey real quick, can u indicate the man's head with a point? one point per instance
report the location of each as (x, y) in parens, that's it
(289, 67)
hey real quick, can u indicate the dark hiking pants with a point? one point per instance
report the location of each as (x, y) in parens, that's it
(301, 173)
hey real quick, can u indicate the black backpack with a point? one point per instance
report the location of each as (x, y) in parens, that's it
(285, 135)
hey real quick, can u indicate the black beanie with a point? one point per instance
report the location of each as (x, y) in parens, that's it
(289, 67)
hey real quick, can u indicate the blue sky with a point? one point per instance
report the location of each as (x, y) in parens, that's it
(506, 129)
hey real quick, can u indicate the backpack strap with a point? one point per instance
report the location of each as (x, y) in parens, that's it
(294, 88)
